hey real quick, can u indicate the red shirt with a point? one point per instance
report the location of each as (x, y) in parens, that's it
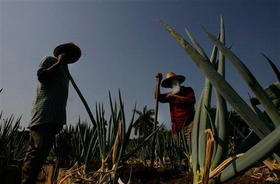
(181, 112)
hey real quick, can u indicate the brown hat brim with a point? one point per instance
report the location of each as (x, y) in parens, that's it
(166, 83)
(71, 48)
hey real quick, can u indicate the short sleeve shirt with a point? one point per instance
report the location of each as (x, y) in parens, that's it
(49, 104)
(181, 112)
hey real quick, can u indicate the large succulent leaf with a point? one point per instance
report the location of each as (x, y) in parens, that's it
(273, 92)
(196, 44)
(206, 102)
(249, 79)
(222, 86)
(262, 115)
(204, 121)
(194, 135)
(255, 154)
(273, 66)
(221, 110)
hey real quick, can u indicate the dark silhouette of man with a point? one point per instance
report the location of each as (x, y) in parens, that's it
(48, 113)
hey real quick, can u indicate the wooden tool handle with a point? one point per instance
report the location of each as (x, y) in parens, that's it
(81, 96)
(155, 118)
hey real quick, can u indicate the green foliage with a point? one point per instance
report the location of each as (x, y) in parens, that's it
(273, 92)
(224, 92)
(144, 123)
(256, 153)
(249, 79)
(222, 86)
(86, 145)
(114, 137)
(273, 67)
(76, 144)
(13, 143)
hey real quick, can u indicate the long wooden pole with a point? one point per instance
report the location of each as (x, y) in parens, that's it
(81, 96)
(155, 120)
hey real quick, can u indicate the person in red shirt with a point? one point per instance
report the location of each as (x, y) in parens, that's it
(181, 101)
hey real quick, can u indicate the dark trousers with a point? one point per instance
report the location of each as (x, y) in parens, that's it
(41, 140)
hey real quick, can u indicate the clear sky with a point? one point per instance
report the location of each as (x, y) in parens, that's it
(123, 46)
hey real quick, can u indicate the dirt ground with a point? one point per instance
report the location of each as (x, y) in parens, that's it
(144, 175)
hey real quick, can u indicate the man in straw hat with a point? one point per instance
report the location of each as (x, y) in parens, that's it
(48, 108)
(181, 101)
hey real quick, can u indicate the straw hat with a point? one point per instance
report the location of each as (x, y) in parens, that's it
(70, 48)
(166, 83)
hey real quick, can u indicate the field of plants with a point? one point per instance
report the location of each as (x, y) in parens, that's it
(240, 145)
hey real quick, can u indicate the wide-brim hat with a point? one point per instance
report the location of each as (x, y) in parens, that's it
(70, 48)
(166, 83)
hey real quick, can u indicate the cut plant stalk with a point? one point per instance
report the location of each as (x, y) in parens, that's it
(208, 155)
(217, 171)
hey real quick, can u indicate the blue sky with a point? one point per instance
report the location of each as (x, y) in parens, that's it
(123, 46)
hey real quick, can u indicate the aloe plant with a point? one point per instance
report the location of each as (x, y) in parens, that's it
(222, 86)
(221, 110)
(202, 120)
(273, 92)
(249, 79)
(202, 110)
(224, 93)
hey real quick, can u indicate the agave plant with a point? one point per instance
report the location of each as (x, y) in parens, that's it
(113, 139)
(13, 142)
(273, 66)
(225, 92)
(172, 151)
(273, 90)
(110, 141)
(76, 144)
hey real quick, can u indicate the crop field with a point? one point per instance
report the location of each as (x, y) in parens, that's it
(228, 145)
